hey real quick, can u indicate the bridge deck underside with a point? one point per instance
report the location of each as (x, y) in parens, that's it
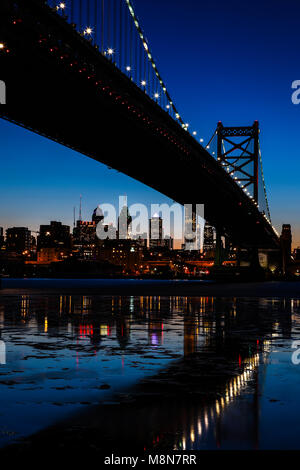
(93, 108)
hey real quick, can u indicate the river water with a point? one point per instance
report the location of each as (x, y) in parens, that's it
(219, 370)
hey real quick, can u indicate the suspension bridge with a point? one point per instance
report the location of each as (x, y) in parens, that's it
(82, 74)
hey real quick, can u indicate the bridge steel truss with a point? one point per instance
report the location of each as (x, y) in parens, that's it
(240, 157)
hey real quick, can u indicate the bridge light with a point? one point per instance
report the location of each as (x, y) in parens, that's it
(143, 83)
(156, 95)
(110, 51)
(207, 147)
(128, 68)
(201, 140)
(177, 116)
(88, 31)
(194, 133)
(61, 6)
(168, 106)
(2, 45)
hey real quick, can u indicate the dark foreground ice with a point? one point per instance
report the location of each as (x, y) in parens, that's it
(185, 372)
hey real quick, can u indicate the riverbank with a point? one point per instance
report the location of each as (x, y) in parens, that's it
(274, 289)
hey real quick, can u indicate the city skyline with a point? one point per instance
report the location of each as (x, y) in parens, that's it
(156, 227)
(39, 175)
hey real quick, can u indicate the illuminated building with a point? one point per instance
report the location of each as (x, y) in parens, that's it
(84, 234)
(55, 235)
(125, 253)
(155, 231)
(124, 224)
(97, 215)
(168, 243)
(192, 239)
(208, 239)
(18, 239)
(141, 239)
(51, 255)
(297, 253)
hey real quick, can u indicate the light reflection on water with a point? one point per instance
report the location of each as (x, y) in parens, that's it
(59, 353)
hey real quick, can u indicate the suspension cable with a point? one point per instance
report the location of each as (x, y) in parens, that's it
(263, 180)
(146, 47)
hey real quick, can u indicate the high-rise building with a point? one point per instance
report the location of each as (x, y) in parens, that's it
(286, 246)
(168, 243)
(155, 231)
(141, 238)
(192, 232)
(124, 224)
(1, 237)
(297, 253)
(208, 238)
(97, 215)
(55, 235)
(84, 234)
(18, 239)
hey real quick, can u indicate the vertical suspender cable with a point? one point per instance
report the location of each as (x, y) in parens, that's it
(72, 11)
(141, 63)
(130, 44)
(102, 27)
(116, 49)
(80, 14)
(95, 20)
(88, 16)
(121, 36)
(126, 39)
(136, 59)
(149, 78)
(108, 24)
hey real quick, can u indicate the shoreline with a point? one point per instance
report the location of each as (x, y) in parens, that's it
(123, 287)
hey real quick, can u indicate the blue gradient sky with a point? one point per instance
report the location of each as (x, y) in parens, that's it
(231, 61)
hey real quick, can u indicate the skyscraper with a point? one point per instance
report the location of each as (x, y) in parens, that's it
(97, 215)
(124, 224)
(55, 235)
(208, 239)
(191, 228)
(18, 239)
(286, 246)
(155, 231)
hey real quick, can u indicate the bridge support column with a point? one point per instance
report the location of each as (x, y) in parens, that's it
(238, 256)
(219, 249)
(254, 259)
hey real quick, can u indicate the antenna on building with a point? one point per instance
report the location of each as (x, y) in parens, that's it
(80, 218)
(74, 213)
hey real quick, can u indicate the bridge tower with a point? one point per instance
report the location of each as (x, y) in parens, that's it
(238, 152)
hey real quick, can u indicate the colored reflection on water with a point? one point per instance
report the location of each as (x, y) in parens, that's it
(62, 353)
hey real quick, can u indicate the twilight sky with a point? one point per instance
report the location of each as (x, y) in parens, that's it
(231, 61)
